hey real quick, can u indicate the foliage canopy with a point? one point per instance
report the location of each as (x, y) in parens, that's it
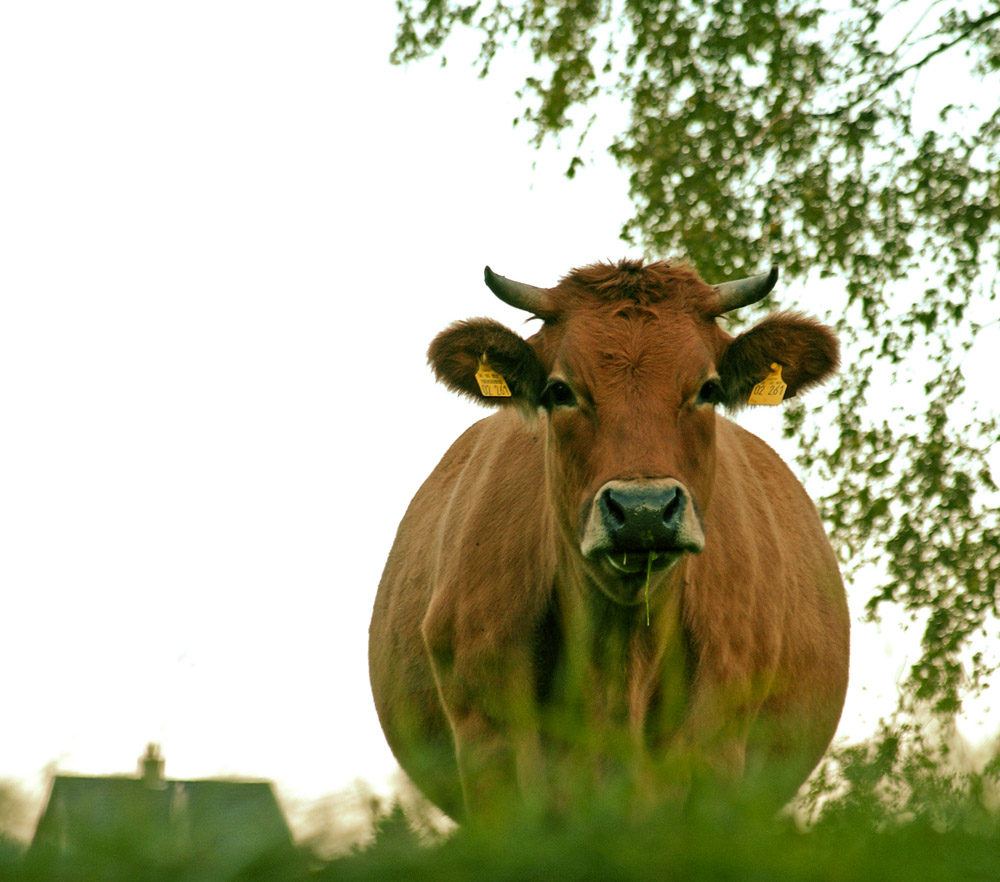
(790, 129)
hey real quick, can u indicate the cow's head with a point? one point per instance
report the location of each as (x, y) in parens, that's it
(626, 372)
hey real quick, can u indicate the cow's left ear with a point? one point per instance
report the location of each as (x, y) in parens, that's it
(461, 350)
(807, 351)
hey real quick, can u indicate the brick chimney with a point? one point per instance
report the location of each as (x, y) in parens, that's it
(151, 767)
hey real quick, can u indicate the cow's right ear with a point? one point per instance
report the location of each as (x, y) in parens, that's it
(461, 349)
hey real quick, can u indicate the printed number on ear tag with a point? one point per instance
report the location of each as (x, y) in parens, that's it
(491, 384)
(771, 390)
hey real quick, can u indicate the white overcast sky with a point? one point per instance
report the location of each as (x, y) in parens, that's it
(227, 233)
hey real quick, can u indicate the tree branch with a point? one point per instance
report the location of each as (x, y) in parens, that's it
(886, 81)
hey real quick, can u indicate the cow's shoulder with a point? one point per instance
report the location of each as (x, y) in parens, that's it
(754, 484)
(764, 535)
(486, 484)
(482, 528)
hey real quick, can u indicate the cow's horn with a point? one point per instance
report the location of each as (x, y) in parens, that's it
(517, 294)
(743, 292)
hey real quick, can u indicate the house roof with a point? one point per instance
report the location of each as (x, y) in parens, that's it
(228, 822)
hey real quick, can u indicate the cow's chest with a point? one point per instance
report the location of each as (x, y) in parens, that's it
(623, 688)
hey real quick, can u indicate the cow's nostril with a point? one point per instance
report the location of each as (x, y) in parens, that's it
(614, 510)
(672, 509)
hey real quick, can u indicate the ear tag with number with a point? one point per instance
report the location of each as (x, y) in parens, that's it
(491, 384)
(771, 389)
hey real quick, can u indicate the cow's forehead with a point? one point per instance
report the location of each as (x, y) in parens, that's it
(632, 321)
(624, 345)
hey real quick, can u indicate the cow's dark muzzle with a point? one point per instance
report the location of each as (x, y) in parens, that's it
(642, 518)
(633, 519)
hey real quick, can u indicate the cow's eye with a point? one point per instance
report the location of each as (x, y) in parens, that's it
(710, 392)
(558, 394)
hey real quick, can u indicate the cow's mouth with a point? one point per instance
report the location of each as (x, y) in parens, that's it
(641, 562)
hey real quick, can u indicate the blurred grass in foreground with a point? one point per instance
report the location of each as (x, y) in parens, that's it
(715, 842)
(727, 846)
(877, 811)
(598, 848)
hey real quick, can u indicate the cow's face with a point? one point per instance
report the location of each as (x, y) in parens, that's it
(629, 403)
(627, 372)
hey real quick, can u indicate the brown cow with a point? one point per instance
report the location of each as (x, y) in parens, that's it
(510, 656)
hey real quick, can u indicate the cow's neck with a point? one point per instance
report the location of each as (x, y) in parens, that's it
(618, 671)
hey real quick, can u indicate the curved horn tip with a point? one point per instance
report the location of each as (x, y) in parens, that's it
(517, 294)
(493, 281)
(763, 282)
(743, 292)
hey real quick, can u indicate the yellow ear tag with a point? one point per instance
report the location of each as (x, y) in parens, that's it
(771, 389)
(491, 384)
